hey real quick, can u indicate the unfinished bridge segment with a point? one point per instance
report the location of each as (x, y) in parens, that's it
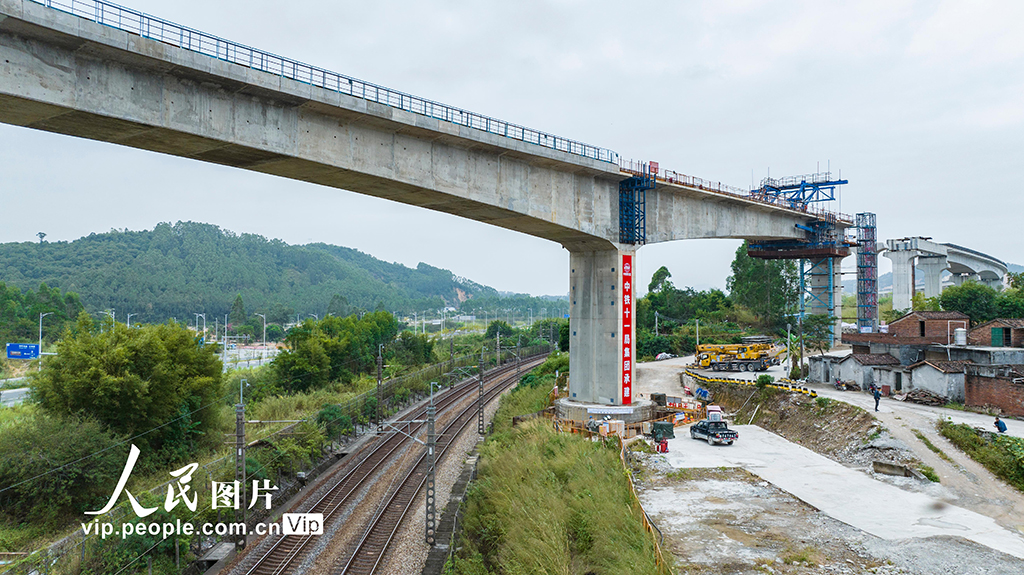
(93, 69)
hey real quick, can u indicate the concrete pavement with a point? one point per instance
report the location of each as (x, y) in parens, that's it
(846, 494)
(11, 397)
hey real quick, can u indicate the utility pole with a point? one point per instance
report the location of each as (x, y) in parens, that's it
(800, 328)
(41, 316)
(130, 319)
(224, 348)
(480, 396)
(263, 351)
(240, 462)
(519, 342)
(656, 323)
(789, 353)
(431, 511)
(497, 346)
(380, 380)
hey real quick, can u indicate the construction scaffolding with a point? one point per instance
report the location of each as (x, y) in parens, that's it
(818, 250)
(633, 204)
(867, 273)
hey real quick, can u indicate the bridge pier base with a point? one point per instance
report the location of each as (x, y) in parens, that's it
(601, 326)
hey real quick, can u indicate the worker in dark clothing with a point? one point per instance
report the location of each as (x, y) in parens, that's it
(1000, 426)
(878, 396)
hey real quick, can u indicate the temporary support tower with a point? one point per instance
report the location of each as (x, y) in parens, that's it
(867, 273)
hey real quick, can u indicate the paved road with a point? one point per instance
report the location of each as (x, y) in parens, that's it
(864, 400)
(11, 397)
(846, 494)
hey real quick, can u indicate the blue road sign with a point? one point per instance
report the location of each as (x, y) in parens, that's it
(23, 351)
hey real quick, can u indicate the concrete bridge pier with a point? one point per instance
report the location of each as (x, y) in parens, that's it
(902, 278)
(601, 326)
(932, 267)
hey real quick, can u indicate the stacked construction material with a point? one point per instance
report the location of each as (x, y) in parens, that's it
(925, 397)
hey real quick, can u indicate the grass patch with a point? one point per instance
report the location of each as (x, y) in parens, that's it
(878, 431)
(823, 402)
(680, 474)
(956, 406)
(640, 446)
(1003, 455)
(807, 556)
(547, 502)
(927, 443)
(928, 472)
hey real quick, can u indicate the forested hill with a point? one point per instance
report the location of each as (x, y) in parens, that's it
(177, 270)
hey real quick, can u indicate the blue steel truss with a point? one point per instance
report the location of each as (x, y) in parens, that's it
(633, 206)
(798, 191)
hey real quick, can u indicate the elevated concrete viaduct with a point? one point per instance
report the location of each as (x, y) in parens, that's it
(933, 258)
(197, 96)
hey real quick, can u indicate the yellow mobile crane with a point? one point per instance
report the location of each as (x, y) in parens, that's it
(735, 356)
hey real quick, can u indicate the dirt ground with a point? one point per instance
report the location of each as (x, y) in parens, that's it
(729, 521)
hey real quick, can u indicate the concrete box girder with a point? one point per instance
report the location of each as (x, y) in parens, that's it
(69, 75)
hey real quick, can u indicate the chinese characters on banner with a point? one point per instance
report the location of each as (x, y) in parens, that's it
(627, 329)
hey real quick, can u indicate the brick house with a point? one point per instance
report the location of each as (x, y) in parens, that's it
(937, 326)
(1000, 386)
(998, 333)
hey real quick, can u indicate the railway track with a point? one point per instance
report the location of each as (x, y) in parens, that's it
(287, 552)
(371, 549)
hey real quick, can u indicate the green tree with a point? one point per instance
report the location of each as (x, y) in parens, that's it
(921, 303)
(766, 287)
(1010, 303)
(338, 306)
(498, 326)
(1016, 279)
(818, 331)
(54, 466)
(280, 314)
(156, 379)
(238, 316)
(659, 279)
(972, 298)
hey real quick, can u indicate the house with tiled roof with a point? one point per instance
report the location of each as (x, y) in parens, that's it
(937, 326)
(857, 367)
(1001, 332)
(944, 378)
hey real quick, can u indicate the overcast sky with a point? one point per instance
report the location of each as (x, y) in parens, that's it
(919, 103)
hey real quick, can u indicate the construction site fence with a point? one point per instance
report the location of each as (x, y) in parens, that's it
(784, 384)
(657, 538)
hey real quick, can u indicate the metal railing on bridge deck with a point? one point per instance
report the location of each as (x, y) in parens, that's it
(136, 22)
(669, 176)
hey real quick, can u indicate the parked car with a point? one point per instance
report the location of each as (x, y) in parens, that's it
(713, 431)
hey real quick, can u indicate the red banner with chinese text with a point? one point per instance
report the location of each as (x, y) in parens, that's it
(627, 329)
